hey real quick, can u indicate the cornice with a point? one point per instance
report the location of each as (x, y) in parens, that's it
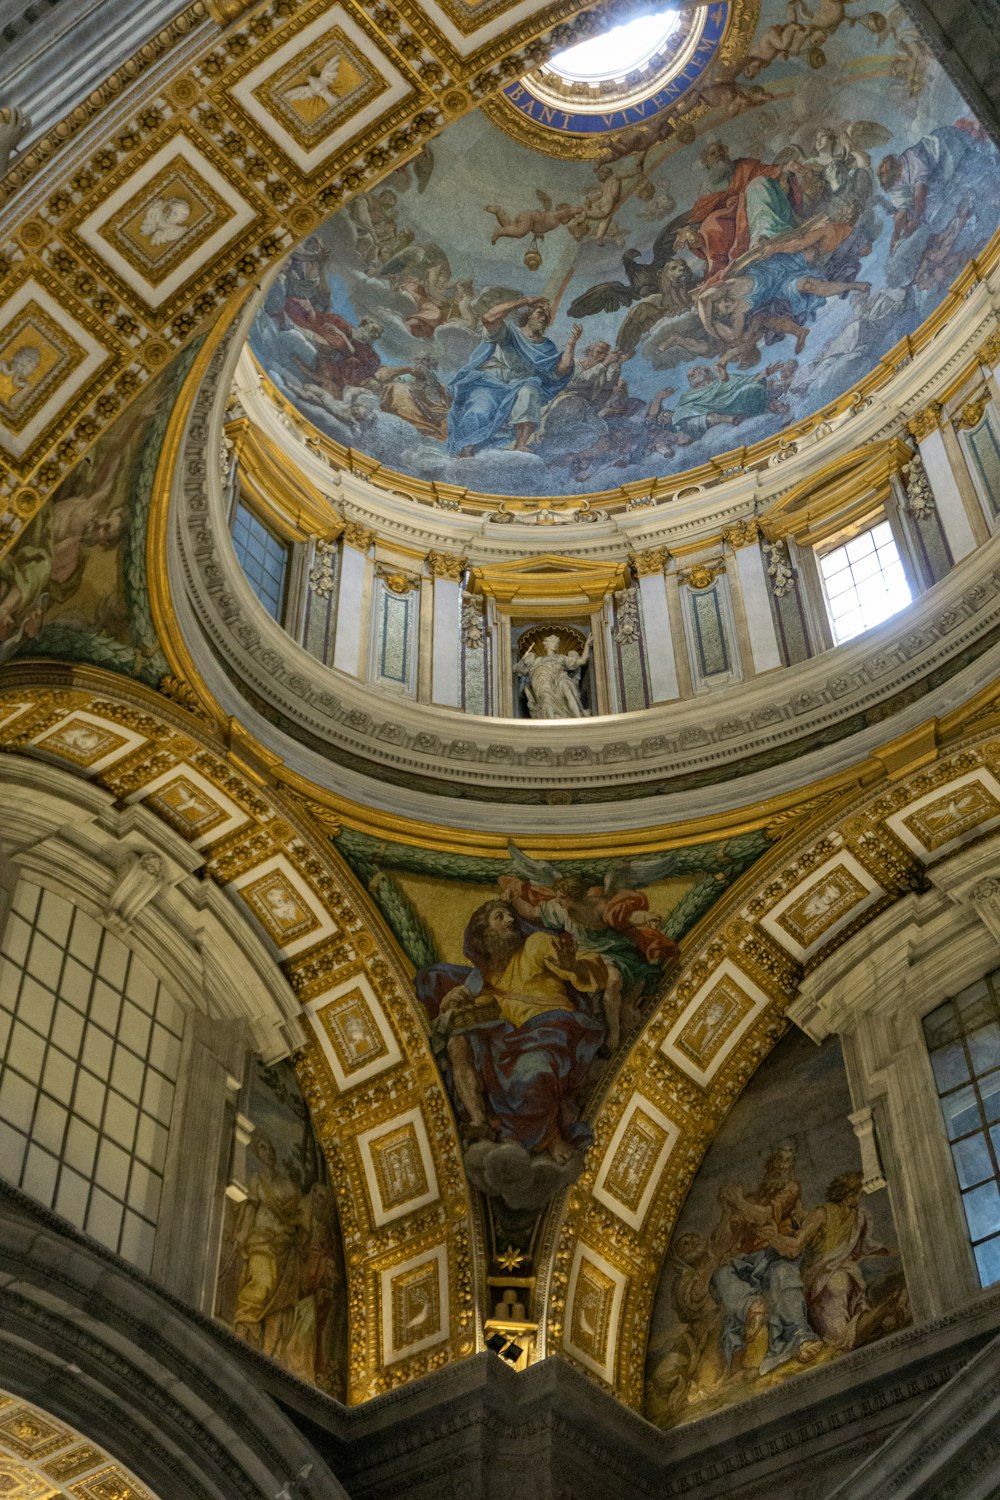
(343, 721)
(951, 342)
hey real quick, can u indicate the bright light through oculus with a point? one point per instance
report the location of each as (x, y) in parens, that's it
(616, 52)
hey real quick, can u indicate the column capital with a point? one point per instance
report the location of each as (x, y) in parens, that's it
(358, 536)
(446, 565)
(986, 900)
(925, 421)
(742, 533)
(653, 560)
(988, 352)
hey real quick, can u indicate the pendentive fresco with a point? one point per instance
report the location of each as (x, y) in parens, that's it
(779, 1262)
(531, 975)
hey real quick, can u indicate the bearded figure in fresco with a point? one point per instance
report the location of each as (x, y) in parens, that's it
(833, 1241)
(518, 1039)
(748, 200)
(757, 1283)
(509, 378)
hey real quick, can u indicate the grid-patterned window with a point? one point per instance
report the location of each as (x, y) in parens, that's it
(864, 582)
(263, 558)
(89, 1051)
(963, 1037)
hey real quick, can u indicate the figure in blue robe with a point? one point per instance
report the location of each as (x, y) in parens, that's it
(507, 381)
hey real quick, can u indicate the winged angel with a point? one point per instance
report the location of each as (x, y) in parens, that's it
(314, 97)
(612, 919)
(656, 291)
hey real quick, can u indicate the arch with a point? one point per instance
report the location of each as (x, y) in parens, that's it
(869, 847)
(135, 1372)
(320, 930)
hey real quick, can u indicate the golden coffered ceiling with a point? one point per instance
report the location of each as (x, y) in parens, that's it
(124, 240)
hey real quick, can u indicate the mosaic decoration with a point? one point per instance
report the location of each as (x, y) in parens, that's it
(531, 975)
(353, 1032)
(503, 321)
(74, 584)
(46, 355)
(43, 1459)
(413, 1287)
(282, 1283)
(777, 1262)
(938, 823)
(414, 1296)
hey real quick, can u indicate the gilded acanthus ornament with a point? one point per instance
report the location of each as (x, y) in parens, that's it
(988, 353)
(396, 580)
(972, 412)
(742, 533)
(925, 421)
(700, 575)
(653, 560)
(358, 536)
(446, 565)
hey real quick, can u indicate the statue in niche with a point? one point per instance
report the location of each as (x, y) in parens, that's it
(553, 676)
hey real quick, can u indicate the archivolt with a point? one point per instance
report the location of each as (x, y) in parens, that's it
(272, 855)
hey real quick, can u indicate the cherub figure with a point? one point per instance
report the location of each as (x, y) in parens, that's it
(601, 203)
(533, 221)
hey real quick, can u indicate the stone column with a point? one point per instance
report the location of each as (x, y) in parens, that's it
(755, 590)
(925, 428)
(446, 637)
(350, 649)
(185, 1256)
(661, 661)
(874, 993)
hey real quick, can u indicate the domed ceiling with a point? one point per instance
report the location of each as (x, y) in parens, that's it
(608, 309)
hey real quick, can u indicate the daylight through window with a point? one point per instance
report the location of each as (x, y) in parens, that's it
(262, 557)
(613, 53)
(864, 582)
(963, 1036)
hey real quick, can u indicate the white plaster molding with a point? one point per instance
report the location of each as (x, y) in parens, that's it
(67, 834)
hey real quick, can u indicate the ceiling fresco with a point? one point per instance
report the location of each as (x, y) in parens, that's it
(511, 322)
(533, 975)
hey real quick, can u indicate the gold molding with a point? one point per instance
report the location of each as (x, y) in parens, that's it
(652, 560)
(446, 565)
(281, 492)
(925, 421)
(742, 533)
(702, 575)
(564, 584)
(360, 537)
(837, 495)
(972, 412)
(395, 580)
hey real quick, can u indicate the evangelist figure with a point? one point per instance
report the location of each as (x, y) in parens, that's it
(519, 1044)
(508, 379)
